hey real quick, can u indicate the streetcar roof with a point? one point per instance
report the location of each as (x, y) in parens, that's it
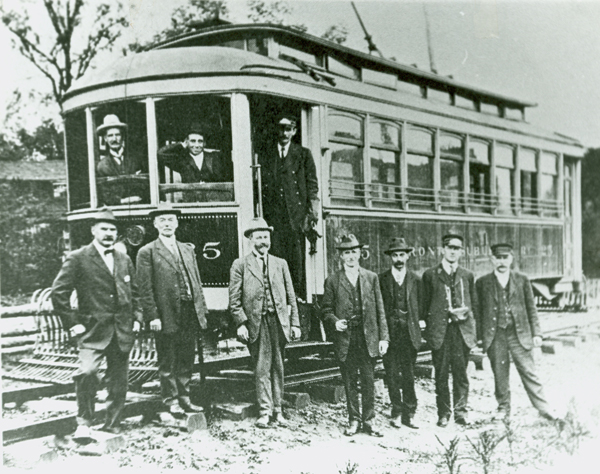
(205, 35)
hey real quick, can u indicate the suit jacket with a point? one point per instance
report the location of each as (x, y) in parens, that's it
(107, 166)
(108, 304)
(520, 301)
(413, 297)
(246, 294)
(178, 158)
(435, 305)
(159, 284)
(300, 184)
(337, 304)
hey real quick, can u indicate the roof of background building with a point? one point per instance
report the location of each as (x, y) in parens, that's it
(55, 170)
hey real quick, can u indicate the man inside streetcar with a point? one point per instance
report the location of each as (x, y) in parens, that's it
(193, 162)
(117, 161)
(290, 196)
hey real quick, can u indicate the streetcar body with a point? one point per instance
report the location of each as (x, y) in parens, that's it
(399, 152)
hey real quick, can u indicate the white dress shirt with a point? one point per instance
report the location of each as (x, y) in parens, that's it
(109, 258)
(399, 275)
(118, 157)
(198, 159)
(170, 243)
(283, 149)
(352, 275)
(450, 268)
(502, 278)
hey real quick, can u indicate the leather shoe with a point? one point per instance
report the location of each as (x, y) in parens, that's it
(371, 430)
(262, 422)
(352, 428)
(175, 410)
(461, 420)
(396, 421)
(279, 420)
(83, 434)
(407, 421)
(112, 429)
(443, 421)
(191, 408)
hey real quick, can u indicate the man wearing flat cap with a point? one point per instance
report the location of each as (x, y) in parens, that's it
(193, 162)
(401, 292)
(173, 303)
(105, 322)
(116, 160)
(509, 328)
(263, 306)
(290, 197)
(449, 305)
(352, 303)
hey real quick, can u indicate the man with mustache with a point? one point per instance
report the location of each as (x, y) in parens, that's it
(105, 323)
(174, 306)
(401, 292)
(509, 328)
(263, 306)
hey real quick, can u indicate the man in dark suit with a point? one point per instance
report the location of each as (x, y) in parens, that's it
(449, 302)
(193, 162)
(173, 304)
(117, 161)
(263, 306)
(508, 327)
(105, 323)
(290, 197)
(352, 303)
(401, 292)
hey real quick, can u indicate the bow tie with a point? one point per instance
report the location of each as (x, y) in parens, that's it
(108, 251)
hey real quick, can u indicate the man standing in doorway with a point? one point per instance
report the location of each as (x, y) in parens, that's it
(290, 197)
(173, 304)
(509, 328)
(449, 300)
(352, 303)
(105, 323)
(401, 292)
(263, 306)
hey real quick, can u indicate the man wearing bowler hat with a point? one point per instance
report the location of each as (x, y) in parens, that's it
(449, 305)
(401, 292)
(174, 307)
(193, 162)
(263, 306)
(352, 303)
(105, 322)
(290, 196)
(509, 328)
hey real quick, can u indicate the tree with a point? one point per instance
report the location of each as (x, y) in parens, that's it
(58, 57)
(336, 33)
(590, 203)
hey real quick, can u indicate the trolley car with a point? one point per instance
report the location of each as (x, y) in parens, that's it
(399, 151)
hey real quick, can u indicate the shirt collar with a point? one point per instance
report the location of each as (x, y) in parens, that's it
(399, 275)
(170, 242)
(101, 248)
(259, 256)
(285, 148)
(450, 268)
(118, 155)
(502, 278)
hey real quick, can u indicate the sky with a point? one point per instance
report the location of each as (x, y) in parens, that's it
(546, 52)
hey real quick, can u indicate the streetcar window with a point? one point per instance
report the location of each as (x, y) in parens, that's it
(464, 102)
(296, 53)
(479, 174)
(487, 108)
(194, 149)
(527, 162)
(419, 160)
(384, 151)
(451, 169)
(77, 160)
(346, 165)
(258, 46)
(513, 114)
(439, 95)
(379, 78)
(342, 68)
(121, 154)
(409, 88)
(236, 44)
(549, 181)
(505, 165)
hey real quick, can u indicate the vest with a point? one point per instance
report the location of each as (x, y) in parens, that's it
(356, 318)
(269, 304)
(400, 303)
(504, 312)
(185, 287)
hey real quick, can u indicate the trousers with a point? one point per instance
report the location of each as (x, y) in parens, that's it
(359, 365)
(452, 356)
(504, 346)
(87, 380)
(267, 354)
(400, 359)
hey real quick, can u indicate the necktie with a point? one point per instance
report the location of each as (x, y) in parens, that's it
(109, 251)
(264, 265)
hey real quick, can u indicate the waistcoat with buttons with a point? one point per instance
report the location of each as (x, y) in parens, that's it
(400, 301)
(185, 287)
(357, 316)
(504, 312)
(269, 304)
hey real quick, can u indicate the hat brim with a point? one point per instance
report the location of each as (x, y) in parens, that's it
(248, 232)
(95, 220)
(345, 247)
(176, 212)
(112, 125)
(399, 249)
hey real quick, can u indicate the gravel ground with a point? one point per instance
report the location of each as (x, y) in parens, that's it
(314, 442)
